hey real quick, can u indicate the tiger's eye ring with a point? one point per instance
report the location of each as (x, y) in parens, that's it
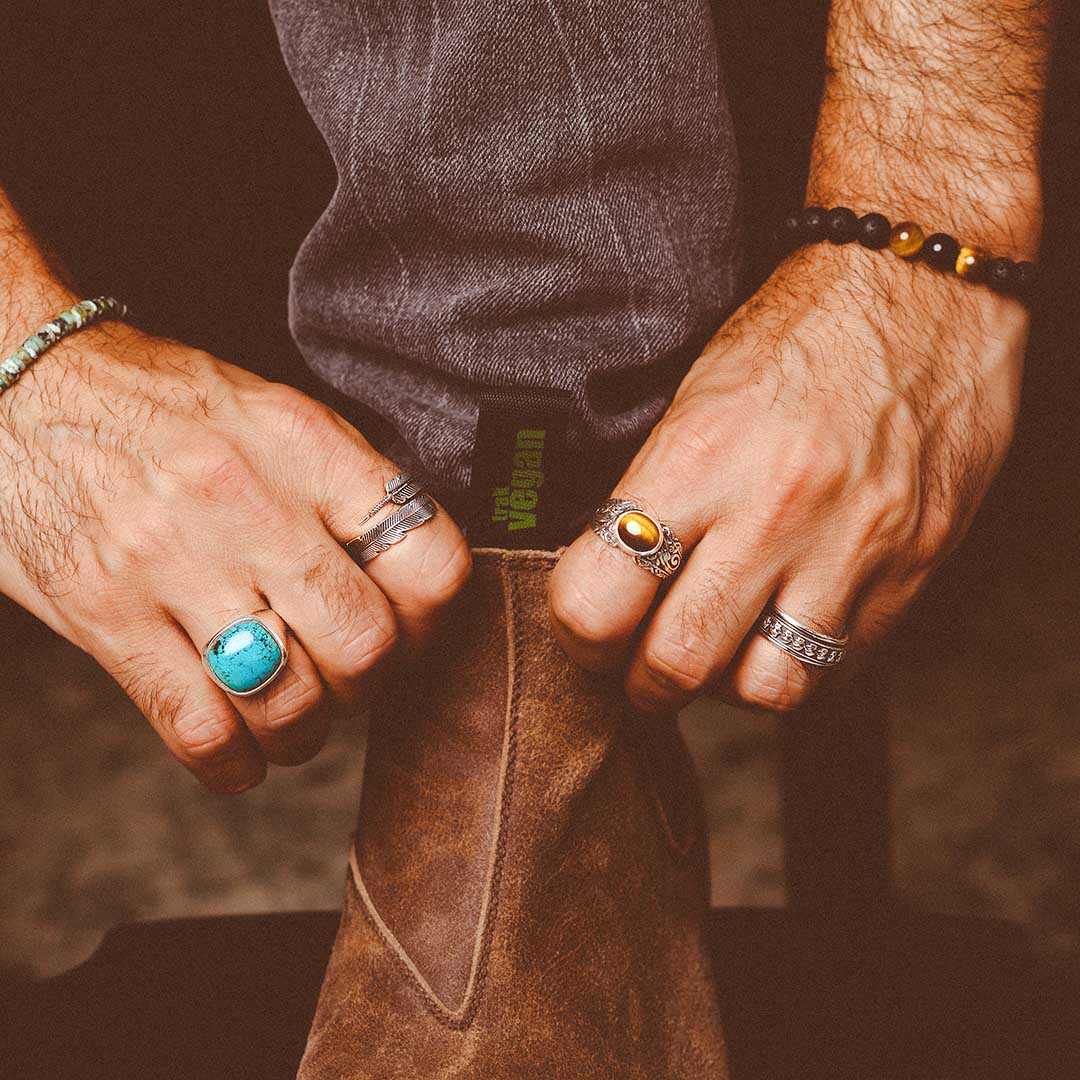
(626, 526)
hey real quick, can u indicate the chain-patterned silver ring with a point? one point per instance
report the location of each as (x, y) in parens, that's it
(651, 543)
(799, 640)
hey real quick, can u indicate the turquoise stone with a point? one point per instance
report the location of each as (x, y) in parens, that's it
(244, 656)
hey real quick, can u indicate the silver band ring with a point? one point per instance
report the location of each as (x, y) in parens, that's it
(399, 489)
(796, 638)
(392, 529)
(626, 526)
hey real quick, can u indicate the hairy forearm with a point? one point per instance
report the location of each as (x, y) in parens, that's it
(932, 110)
(32, 286)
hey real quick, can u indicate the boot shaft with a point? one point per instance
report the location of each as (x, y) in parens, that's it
(527, 888)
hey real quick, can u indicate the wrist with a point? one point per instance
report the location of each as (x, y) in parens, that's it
(874, 295)
(959, 173)
(33, 377)
(30, 297)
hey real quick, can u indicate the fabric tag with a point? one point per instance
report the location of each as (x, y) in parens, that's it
(520, 476)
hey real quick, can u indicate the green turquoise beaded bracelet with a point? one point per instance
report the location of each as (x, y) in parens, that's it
(908, 241)
(67, 322)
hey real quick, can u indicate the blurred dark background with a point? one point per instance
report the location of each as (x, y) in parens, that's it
(163, 151)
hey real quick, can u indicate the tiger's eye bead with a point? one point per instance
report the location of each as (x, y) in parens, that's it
(873, 231)
(940, 251)
(841, 225)
(906, 240)
(971, 262)
(1001, 275)
(813, 223)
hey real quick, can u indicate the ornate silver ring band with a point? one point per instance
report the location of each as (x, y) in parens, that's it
(392, 529)
(399, 490)
(796, 638)
(626, 526)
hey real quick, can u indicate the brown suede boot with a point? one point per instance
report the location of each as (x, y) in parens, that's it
(527, 889)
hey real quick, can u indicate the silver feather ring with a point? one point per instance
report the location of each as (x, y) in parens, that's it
(392, 529)
(399, 489)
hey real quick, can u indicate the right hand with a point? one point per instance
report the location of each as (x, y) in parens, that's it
(150, 494)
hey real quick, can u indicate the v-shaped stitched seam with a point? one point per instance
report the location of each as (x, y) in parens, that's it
(461, 1016)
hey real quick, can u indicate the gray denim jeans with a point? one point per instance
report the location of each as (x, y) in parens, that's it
(531, 193)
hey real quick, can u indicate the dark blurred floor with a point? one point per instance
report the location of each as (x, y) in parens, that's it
(210, 177)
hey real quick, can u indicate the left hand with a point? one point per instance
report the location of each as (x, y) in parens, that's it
(826, 451)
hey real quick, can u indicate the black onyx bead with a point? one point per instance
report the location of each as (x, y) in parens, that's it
(841, 224)
(940, 251)
(789, 232)
(1027, 277)
(813, 223)
(1001, 275)
(873, 231)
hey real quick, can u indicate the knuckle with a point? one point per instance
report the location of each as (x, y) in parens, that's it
(929, 549)
(362, 650)
(691, 437)
(282, 398)
(777, 689)
(213, 469)
(159, 701)
(580, 615)
(809, 466)
(714, 614)
(443, 572)
(937, 534)
(301, 701)
(296, 415)
(135, 539)
(887, 512)
(360, 632)
(671, 664)
(205, 734)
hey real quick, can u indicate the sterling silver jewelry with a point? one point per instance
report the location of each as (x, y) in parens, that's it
(626, 526)
(392, 529)
(809, 646)
(399, 489)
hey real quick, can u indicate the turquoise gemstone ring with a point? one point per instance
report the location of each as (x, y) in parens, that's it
(245, 656)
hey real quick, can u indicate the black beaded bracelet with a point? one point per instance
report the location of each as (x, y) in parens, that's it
(907, 240)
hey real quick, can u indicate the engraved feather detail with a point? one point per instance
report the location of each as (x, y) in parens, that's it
(394, 528)
(402, 488)
(399, 489)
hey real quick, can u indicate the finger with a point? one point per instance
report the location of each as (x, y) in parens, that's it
(289, 718)
(599, 595)
(701, 622)
(764, 675)
(421, 573)
(166, 680)
(879, 610)
(335, 611)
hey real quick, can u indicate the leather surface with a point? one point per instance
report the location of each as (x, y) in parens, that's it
(527, 892)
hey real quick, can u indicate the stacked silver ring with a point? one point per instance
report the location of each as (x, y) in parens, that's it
(797, 639)
(414, 508)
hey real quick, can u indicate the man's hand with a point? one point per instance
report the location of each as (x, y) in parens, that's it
(833, 442)
(150, 494)
(826, 451)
